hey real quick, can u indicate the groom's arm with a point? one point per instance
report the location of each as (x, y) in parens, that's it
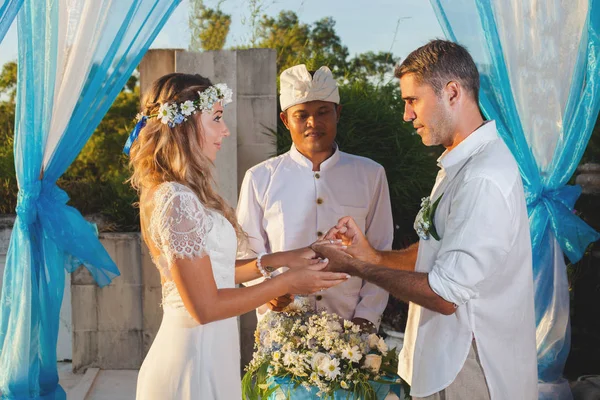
(408, 286)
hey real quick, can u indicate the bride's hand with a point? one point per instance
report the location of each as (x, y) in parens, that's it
(312, 279)
(304, 256)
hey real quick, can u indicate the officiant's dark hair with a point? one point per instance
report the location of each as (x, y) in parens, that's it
(439, 62)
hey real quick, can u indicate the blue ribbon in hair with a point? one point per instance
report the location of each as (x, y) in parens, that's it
(134, 134)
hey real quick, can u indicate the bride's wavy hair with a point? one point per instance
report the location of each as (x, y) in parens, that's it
(174, 154)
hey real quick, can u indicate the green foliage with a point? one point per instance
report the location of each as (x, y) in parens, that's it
(371, 125)
(371, 66)
(209, 27)
(299, 43)
(8, 81)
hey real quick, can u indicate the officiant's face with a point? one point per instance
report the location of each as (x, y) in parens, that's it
(212, 131)
(428, 112)
(313, 125)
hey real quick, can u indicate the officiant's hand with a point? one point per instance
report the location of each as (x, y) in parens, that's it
(351, 236)
(281, 302)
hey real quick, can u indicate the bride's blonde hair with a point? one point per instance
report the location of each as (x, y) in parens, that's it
(174, 154)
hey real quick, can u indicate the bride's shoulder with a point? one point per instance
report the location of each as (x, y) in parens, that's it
(167, 190)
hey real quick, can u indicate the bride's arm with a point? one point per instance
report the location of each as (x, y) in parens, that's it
(247, 270)
(196, 285)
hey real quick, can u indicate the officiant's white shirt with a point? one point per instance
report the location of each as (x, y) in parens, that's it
(482, 263)
(285, 205)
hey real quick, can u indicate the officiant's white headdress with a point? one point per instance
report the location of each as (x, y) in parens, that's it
(297, 86)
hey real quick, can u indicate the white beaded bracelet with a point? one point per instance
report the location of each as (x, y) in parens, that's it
(263, 271)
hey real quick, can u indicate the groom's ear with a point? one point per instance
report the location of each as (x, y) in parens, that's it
(284, 118)
(453, 92)
(338, 111)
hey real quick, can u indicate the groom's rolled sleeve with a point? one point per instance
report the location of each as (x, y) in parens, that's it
(379, 230)
(475, 242)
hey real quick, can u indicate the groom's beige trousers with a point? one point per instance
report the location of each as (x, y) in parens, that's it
(470, 383)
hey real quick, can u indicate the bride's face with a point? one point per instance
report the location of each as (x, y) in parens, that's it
(212, 131)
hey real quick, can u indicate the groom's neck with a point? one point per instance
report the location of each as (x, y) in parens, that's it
(466, 125)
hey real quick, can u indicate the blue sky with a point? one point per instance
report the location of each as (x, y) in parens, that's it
(362, 25)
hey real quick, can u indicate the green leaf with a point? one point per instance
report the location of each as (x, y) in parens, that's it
(433, 231)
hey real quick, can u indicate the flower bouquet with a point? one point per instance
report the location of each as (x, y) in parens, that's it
(304, 355)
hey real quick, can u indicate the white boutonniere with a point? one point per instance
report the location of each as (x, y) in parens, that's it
(424, 225)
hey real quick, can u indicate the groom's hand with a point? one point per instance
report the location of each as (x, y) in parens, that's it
(338, 260)
(351, 236)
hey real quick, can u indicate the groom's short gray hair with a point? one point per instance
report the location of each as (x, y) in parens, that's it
(439, 62)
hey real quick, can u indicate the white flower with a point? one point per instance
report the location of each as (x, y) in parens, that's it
(318, 359)
(288, 358)
(276, 356)
(373, 362)
(373, 340)
(166, 113)
(331, 368)
(352, 353)
(382, 346)
(356, 329)
(344, 385)
(187, 108)
(334, 326)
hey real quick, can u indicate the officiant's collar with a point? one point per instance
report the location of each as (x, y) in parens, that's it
(300, 159)
(452, 161)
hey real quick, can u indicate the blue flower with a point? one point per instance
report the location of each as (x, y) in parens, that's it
(178, 119)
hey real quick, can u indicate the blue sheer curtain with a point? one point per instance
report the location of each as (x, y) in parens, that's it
(72, 64)
(544, 94)
(8, 12)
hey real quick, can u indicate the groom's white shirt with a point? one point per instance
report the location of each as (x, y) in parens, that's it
(482, 263)
(284, 205)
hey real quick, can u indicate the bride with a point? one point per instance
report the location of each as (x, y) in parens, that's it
(192, 235)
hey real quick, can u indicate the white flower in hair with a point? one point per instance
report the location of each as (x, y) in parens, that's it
(187, 108)
(166, 113)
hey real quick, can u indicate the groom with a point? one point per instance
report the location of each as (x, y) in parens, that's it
(290, 201)
(471, 328)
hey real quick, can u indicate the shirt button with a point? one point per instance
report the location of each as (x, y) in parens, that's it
(319, 234)
(317, 175)
(319, 297)
(319, 201)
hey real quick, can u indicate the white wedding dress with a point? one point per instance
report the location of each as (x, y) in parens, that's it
(188, 360)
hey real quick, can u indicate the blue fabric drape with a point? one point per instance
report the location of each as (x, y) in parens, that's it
(550, 200)
(8, 12)
(47, 233)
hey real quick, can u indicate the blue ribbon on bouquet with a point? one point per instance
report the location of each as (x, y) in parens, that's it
(292, 391)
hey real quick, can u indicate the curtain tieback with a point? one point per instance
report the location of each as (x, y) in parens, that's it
(30, 196)
(571, 232)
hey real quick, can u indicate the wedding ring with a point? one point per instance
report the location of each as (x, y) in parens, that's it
(331, 241)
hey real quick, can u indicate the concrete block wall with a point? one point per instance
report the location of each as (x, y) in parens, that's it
(114, 326)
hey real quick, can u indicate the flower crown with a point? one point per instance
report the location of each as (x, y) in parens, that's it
(172, 114)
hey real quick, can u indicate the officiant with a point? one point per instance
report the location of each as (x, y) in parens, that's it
(290, 201)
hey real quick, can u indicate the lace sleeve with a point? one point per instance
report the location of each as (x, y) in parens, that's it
(180, 225)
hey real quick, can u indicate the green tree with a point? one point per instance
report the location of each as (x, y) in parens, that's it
(297, 42)
(370, 65)
(8, 81)
(209, 27)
